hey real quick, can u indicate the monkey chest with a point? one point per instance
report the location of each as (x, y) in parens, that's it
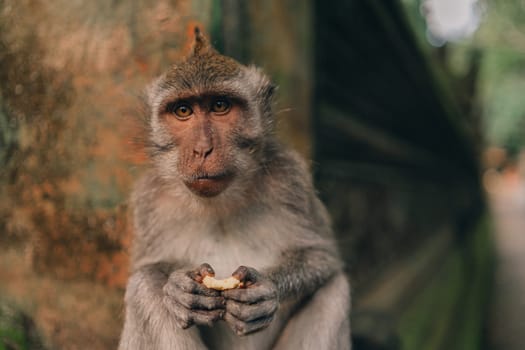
(226, 248)
(226, 253)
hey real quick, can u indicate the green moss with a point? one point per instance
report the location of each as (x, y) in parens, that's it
(216, 26)
(17, 331)
(12, 335)
(12, 338)
(449, 312)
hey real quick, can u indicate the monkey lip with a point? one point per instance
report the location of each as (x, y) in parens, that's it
(209, 185)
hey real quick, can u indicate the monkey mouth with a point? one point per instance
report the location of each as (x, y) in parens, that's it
(216, 176)
(209, 184)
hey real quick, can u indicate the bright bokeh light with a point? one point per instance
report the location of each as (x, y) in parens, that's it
(450, 20)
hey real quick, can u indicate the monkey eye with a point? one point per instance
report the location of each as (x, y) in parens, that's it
(221, 106)
(182, 111)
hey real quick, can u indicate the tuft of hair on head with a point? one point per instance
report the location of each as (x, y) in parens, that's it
(200, 44)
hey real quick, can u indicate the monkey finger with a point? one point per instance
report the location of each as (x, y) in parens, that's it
(202, 271)
(251, 312)
(252, 294)
(179, 312)
(179, 280)
(244, 328)
(206, 318)
(195, 301)
(185, 318)
(247, 275)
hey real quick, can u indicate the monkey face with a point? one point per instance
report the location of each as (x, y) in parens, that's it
(210, 121)
(203, 129)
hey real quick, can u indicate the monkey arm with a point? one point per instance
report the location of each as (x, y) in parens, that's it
(146, 318)
(167, 291)
(314, 259)
(302, 271)
(162, 300)
(309, 264)
(144, 293)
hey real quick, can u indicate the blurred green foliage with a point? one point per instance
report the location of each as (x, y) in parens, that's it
(447, 313)
(501, 40)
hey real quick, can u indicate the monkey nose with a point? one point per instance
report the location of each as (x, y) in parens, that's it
(202, 151)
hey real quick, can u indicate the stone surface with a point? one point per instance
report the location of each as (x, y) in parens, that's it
(71, 76)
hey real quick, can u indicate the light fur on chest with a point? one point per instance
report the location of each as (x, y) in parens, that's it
(255, 242)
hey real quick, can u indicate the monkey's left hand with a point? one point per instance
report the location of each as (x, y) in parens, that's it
(252, 308)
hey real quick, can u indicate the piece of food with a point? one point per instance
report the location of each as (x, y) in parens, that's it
(227, 283)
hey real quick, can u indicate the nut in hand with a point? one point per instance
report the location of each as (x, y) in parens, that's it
(227, 283)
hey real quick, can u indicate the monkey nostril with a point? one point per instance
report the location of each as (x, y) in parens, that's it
(202, 152)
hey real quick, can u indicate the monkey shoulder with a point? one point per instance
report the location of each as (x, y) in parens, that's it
(148, 187)
(288, 168)
(151, 211)
(297, 195)
(290, 182)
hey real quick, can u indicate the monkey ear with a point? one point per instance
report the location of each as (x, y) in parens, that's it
(270, 90)
(200, 44)
(266, 93)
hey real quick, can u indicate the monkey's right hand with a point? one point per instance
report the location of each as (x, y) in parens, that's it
(189, 301)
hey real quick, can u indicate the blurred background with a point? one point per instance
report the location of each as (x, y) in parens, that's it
(411, 111)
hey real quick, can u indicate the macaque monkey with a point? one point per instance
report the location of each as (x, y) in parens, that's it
(224, 198)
